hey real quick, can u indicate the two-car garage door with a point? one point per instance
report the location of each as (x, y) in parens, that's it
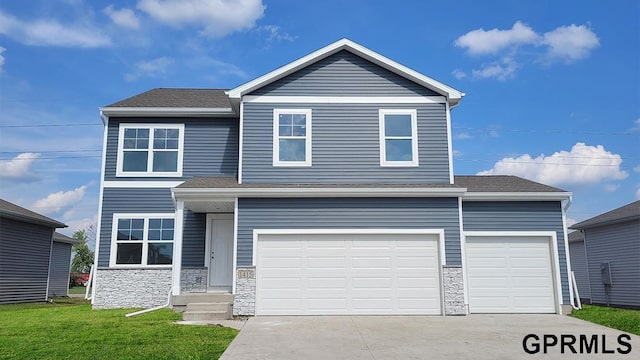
(348, 273)
(510, 274)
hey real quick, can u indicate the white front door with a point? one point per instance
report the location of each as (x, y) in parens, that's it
(221, 252)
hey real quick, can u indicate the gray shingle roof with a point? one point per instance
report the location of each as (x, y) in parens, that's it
(57, 237)
(177, 98)
(501, 183)
(232, 182)
(14, 211)
(624, 213)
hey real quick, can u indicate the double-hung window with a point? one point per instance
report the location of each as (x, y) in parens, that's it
(291, 137)
(398, 137)
(142, 240)
(150, 150)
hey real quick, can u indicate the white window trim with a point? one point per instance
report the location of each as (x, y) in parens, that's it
(276, 137)
(414, 138)
(149, 172)
(145, 241)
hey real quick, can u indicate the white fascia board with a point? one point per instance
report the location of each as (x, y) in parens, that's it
(452, 94)
(179, 193)
(141, 184)
(345, 99)
(165, 111)
(516, 196)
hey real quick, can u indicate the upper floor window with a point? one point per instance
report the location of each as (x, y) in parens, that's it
(150, 150)
(291, 137)
(142, 239)
(398, 137)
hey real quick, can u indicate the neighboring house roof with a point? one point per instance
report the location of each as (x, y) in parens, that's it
(13, 211)
(575, 236)
(501, 183)
(453, 96)
(624, 213)
(57, 237)
(173, 101)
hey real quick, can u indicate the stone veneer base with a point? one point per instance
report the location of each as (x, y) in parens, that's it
(129, 288)
(244, 300)
(453, 284)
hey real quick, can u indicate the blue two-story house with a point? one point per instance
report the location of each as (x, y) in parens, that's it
(323, 187)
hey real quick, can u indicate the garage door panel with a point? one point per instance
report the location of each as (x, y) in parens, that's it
(510, 274)
(373, 274)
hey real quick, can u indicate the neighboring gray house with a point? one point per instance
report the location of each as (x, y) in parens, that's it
(60, 266)
(323, 187)
(29, 254)
(579, 265)
(612, 241)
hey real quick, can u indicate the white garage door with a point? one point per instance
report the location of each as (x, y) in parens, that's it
(510, 275)
(333, 274)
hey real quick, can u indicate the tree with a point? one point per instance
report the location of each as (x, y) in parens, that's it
(83, 258)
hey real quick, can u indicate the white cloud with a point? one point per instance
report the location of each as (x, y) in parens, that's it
(459, 74)
(2, 50)
(637, 169)
(125, 18)
(49, 32)
(59, 201)
(464, 136)
(218, 17)
(481, 41)
(570, 43)
(150, 68)
(611, 187)
(274, 33)
(503, 70)
(18, 168)
(638, 194)
(583, 164)
(457, 153)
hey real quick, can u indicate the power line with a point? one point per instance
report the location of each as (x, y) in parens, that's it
(50, 158)
(550, 131)
(49, 151)
(49, 125)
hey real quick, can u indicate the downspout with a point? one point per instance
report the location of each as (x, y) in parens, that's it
(567, 256)
(154, 308)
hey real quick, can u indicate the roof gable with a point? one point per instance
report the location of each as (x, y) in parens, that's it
(624, 213)
(13, 211)
(452, 95)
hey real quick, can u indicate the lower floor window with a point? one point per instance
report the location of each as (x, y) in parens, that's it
(143, 239)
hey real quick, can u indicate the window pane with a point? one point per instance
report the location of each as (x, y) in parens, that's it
(172, 144)
(137, 234)
(398, 150)
(292, 150)
(160, 133)
(160, 254)
(124, 224)
(155, 223)
(154, 234)
(124, 234)
(397, 125)
(143, 133)
(285, 119)
(130, 133)
(142, 144)
(129, 143)
(165, 161)
(129, 254)
(159, 143)
(285, 130)
(299, 130)
(299, 119)
(173, 133)
(137, 224)
(167, 223)
(167, 234)
(134, 161)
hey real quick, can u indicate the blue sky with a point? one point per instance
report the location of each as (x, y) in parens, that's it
(553, 87)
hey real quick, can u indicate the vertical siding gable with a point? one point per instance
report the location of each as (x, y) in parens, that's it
(210, 146)
(392, 213)
(59, 269)
(618, 244)
(344, 74)
(345, 146)
(579, 267)
(24, 261)
(520, 216)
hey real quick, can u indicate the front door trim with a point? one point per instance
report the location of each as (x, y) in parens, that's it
(209, 242)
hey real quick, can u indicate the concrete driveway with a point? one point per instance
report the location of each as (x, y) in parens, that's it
(423, 337)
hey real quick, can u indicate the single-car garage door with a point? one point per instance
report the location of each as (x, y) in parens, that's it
(510, 274)
(333, 274)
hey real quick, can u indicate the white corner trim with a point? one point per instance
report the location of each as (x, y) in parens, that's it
(555, 262)
(235, 246)
(449, 143)
(277, 137)
(413, 113)
(96, 250)
(165, 111)
(566, 250)
(176, 269)
(463, 257)
(346, 44)
(240, 144)
(516, 196)
(141, 184)
(344, 99)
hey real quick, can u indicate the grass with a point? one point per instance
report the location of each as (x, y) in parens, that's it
(70, 329)
(77, 290)
(622, 319)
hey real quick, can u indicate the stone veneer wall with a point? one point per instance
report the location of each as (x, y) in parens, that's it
(453, 284)
(244, 300)
(194, 279)
(128, 288)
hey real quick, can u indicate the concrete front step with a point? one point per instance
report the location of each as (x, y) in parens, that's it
(221, 306)
(205, 315)
(183, 300)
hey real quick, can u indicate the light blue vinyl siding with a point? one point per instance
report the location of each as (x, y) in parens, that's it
(24, 261)
(618, 244)
(579, 266)
(343, 213)
(344, 74)
(345, 146)
(130, 200)
(59, 269)
(210, 146)
(520, 216)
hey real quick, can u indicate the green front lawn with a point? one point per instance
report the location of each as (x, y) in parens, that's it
(70, 329)
(621, 319)
(77, 290)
